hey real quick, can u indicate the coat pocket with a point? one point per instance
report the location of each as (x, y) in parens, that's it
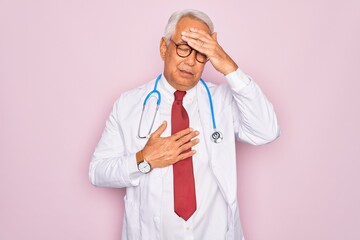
(132, 220)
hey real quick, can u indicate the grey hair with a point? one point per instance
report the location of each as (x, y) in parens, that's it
(192, 13)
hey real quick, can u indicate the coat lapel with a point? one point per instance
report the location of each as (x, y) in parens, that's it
(205, 117)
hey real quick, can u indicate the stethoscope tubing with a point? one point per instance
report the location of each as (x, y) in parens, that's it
(216, 136)
(211, 103)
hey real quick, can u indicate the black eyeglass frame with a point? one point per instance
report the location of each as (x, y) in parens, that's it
(191, 50)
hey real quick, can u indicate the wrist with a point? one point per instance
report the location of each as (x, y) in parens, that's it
(139, 157)
(143, 165)
(229, 69)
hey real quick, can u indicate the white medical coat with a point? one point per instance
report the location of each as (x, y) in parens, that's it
(244, 115)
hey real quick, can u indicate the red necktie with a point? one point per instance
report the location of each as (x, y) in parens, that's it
(184, 183)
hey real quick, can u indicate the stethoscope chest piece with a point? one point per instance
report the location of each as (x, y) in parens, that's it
(217, 136)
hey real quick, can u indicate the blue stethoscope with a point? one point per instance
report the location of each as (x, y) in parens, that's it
(216, 136)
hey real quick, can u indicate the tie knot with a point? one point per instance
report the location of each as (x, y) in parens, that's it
(179, 95)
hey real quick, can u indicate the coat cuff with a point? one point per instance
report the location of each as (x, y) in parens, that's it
(237, 80)
(133, 171)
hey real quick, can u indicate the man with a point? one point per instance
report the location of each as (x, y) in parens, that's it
(181, 180)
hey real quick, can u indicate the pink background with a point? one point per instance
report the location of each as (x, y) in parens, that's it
(63, 64)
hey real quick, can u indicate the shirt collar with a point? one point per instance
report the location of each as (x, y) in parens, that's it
(168, 91)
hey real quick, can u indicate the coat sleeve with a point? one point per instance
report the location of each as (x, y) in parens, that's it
(255, 120)
(112, 165)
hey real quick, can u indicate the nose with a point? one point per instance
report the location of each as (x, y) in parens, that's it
(191, 59)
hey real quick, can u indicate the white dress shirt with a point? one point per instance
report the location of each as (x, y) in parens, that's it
(210, 218)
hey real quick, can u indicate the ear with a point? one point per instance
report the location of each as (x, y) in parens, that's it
(163, 48)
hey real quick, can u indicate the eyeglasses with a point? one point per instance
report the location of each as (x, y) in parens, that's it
(184, 50)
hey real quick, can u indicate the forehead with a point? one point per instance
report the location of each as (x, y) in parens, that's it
(186, 23)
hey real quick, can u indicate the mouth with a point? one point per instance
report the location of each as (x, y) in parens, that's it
(186, 73)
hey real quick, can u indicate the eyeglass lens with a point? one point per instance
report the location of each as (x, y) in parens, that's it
(184, 50)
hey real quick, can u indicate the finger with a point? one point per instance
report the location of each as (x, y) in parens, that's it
(184, 156)
(185, 147)
(201, 32)
(214, 36)
(195, 38)
(199, 35)
(186, 36)
(199, 46)
(180, 134)
(160, 130)
(201, 41)
(197, 43)
(187, 138)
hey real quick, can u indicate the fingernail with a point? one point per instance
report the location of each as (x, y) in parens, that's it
(192, 29)
(183, 33)
(183, 37)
